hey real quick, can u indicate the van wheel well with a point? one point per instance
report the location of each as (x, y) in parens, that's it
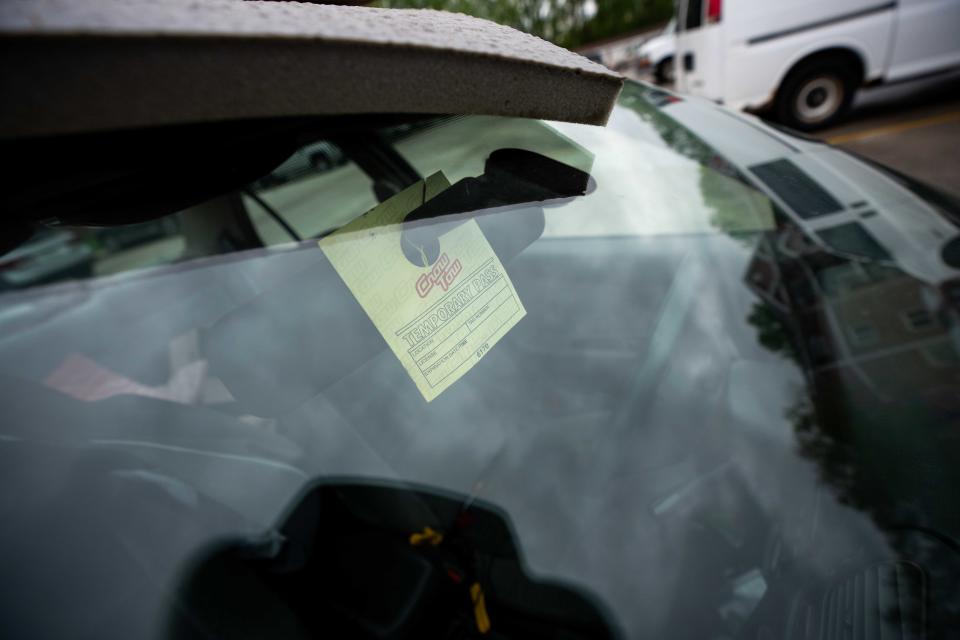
(835, 55)
(819, 89)
(663, 73)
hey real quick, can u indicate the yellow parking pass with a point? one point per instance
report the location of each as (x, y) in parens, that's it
(439, 318)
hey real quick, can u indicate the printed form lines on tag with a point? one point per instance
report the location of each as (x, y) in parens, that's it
(514, 309)
(434, 342)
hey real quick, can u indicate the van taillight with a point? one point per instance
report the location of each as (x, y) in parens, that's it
(714, 9)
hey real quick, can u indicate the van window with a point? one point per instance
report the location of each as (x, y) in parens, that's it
(694, 16)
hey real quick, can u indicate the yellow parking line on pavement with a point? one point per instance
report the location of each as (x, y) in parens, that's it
(895, 128)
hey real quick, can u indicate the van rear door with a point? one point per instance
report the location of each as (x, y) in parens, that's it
(700, 48)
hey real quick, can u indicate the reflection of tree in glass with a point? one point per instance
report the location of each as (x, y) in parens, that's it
(737, 207)
(569, 23)
(647, 104)
(771, 332)
(895, 460)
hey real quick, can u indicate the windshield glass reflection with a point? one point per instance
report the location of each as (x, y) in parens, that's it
(720, 416)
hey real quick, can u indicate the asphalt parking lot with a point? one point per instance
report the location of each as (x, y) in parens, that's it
(913, 127)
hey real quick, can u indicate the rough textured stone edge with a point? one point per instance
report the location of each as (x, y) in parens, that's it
(74, 84)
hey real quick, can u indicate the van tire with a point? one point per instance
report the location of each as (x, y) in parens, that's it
(816, 93)
(664, 73)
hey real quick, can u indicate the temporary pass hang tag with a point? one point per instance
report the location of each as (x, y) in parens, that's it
(439, 309)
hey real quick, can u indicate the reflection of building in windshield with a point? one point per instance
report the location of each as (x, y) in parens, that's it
(867, 326)
(880, 422)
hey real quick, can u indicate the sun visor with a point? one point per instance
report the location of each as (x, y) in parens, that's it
(95, 65)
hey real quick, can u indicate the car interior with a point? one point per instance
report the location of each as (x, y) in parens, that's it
(345, 564)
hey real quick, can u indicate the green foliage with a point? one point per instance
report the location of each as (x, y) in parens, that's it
(569, 23)
(771, 332)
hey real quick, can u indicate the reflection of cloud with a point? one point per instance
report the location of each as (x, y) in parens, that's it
(643, 189)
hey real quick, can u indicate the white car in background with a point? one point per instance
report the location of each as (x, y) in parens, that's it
(657, 53)
(805, 59)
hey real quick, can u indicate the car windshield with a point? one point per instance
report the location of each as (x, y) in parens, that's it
(706, 377)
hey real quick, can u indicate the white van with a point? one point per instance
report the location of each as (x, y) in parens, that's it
(805, 59)
(657, 53)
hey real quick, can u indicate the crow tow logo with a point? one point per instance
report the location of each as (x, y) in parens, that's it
(443, 274)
